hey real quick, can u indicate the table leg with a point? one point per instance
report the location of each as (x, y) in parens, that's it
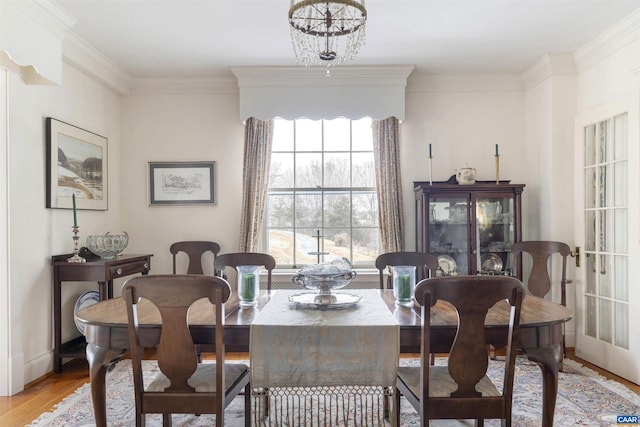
(100, 359)
(549, 360)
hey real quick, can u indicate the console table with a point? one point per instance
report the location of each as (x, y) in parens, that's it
(103, 271)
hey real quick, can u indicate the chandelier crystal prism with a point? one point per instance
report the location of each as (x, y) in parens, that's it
(327, 32)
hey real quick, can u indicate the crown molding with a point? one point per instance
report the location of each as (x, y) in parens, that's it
(609, 42)
(548, 66)
(84, 57)
(185, 86)
(435, 83)
(47, 14)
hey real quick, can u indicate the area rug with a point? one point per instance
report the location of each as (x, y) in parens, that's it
(584, 399)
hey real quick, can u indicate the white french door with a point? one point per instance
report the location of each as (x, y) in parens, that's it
(607, 227)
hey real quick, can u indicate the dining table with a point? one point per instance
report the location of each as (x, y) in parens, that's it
(540, 335)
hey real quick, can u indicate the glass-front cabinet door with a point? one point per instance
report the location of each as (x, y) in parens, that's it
(469, 228)
(494, 234)
(449, 233)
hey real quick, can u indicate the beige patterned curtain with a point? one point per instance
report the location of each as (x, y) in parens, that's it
(386, 150)
(258, 135)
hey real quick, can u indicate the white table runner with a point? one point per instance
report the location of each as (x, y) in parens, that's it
(306, 347)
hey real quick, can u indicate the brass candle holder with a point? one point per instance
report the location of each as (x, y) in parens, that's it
(76, 258)
(497, 169)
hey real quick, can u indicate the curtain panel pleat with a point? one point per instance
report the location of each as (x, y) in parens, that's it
(386, 152)
(258, 137)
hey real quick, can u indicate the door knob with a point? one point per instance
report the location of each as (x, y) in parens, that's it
(576, 254)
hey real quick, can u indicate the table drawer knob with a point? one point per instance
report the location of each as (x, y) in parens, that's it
(146, 266)
(119, 271)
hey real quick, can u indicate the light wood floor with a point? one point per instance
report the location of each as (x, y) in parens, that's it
(40, 396)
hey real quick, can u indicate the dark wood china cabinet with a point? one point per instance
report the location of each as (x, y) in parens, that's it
(470, 228)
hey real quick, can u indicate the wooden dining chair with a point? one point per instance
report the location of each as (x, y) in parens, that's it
(426, 264)
(183, 385)
(234, 260)
(462, 389)
(539, 281)
(195, 250)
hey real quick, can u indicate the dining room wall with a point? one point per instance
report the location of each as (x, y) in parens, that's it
(35, 232)
(174, 128)
(463, 126)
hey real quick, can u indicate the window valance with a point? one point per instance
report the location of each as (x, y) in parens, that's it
(293, 92)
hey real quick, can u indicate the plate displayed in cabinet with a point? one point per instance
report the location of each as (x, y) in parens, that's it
(85, 300)
(447, 265)
(491, 262)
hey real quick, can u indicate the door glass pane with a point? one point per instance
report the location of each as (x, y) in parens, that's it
(590, 230)
(602, 142)
(602, 228)
(605, 276)
(591, 274)
(590, 187)
(591, 318)
(622, 325)
(620, 178)
(621, 283)
(602, 186)
(609, 232)
(621, 231)
(589, 142)
(605, 321)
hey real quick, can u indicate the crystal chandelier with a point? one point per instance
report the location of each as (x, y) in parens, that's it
(327, 32)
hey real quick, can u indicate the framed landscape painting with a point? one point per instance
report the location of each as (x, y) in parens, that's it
(76, 164)
(181, 183)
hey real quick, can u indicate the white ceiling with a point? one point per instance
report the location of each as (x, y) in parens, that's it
(189, 38)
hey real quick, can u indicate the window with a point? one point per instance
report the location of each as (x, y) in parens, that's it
(322, 201)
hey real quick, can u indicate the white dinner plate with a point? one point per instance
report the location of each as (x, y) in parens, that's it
(447, 265)
(85, 300)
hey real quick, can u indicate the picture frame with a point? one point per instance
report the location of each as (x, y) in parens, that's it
(182, 183)
(77, 165)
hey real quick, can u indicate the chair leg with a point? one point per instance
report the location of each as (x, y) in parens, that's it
(166, 420)
(479, 423)
(396, 410)
(247, 405)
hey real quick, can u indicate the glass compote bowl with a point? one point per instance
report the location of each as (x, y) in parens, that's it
(108, 245)
(324, 278)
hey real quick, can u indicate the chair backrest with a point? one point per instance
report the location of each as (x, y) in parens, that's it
(173, 295)
(472, 297)
(237, 259)
(539, 281)
(195, 250)
(426, 264)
